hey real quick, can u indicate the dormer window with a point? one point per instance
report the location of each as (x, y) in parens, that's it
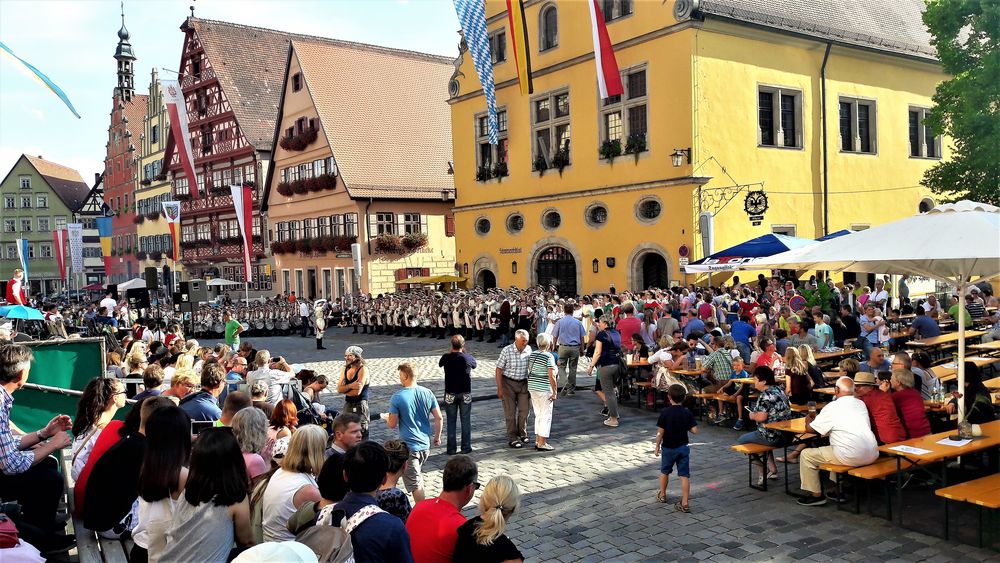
(196, 68)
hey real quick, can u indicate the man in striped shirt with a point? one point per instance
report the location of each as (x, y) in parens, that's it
(512, 388)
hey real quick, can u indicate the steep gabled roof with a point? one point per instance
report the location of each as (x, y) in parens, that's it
(67, 183)
(385, 115)
(895, 26)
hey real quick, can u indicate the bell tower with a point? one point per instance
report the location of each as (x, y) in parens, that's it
(125, 58)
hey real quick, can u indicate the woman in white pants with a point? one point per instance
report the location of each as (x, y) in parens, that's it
(542, 388)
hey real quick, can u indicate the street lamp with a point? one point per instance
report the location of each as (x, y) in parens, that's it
(513, 267)
(679, 154)
(596, 264)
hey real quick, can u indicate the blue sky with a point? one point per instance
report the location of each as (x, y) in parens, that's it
(73, 42)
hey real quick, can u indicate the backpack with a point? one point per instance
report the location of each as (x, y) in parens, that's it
(332, 543)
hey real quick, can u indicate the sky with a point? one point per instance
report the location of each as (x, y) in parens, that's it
(73, 42)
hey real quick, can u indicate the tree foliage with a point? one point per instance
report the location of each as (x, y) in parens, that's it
(966, 34)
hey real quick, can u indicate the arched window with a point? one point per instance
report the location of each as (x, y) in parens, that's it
(548, 27)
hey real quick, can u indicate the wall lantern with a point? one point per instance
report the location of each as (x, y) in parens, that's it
(610, 261)
(596, 265)
(679, 154)
(465, 268)
(513, 267)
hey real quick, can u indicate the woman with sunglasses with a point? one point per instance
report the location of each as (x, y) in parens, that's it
(101, 399)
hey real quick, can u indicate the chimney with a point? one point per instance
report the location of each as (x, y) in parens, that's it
(97, 178)
(40, 157)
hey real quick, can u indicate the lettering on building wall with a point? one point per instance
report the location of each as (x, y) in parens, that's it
(512, 250)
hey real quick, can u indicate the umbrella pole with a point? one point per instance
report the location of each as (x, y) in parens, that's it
(961, 346)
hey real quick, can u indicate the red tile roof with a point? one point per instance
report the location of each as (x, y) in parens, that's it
(67, 183)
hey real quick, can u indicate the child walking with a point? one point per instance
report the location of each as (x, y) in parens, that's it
(672, 434)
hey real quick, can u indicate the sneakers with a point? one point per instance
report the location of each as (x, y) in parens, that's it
(544, 447)
(812, 501)
(516, 444)
(608, 422)
(604, 411)
(738, 425)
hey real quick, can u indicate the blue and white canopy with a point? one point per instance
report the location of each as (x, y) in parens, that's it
(741, 256)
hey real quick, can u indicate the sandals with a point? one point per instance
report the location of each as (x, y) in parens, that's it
(789, 459)
(661, 497)
(682, 508)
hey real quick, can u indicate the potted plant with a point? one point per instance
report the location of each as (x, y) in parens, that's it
(141, 255)
(153, 215)
(303, 245)
(500, 170)
(540, 165)
(285, 189)
(389, 243)
(413, 241)
(610, 149)
(155, 255)
(483, 174)
(561, 159)
(138, 219)
(279, 247)
(635, 144)
(299, 187)
(328, 182)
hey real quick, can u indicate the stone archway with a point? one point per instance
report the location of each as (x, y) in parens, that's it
(486, 279)
(568, 280)
(484, 267)
(646, 262)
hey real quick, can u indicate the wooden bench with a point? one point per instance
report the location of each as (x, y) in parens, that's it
(805, 408)
(752, 451)
(983, 492)
(90, 547)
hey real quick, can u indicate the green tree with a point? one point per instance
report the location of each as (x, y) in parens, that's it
(966, 34)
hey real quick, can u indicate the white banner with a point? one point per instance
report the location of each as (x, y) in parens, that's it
(75, 234)
(173, 97)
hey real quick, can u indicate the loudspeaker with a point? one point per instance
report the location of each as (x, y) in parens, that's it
(195, 289)
(152, 281)
(113, 290)
(137, 298)
(168, 280)
(3, 289)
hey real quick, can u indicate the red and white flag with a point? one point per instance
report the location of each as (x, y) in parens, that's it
(173, 97)
(59, 239)
(608, 77)
(243, 202)
(172, 211)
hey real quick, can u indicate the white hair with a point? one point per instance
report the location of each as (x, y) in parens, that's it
(544, 341)
(522, 333)
(846, 385)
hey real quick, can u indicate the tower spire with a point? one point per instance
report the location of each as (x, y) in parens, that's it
(125, 57)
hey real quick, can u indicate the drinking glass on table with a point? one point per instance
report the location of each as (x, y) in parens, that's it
(812, 407)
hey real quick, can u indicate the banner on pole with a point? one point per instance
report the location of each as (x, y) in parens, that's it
(243, 203)
(74, 232)
(105, 230)
(472, 17)
(22, 255)
(173, 97)
(172, 211)
(609, 80)
(59, 240)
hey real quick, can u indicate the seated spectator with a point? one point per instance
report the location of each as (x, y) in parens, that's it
(250, 428)
(849, 367)
(235, 402)
(111, 435)
(798, 335)
(772, 406)
(265, 370)
(182, 383)
(390, 497)
(161, 480)
(481, 539)
(815, 372)
(876, 362)
(237, 367)
(113, 486)
(135, 362)
(332, 488)
(381, 536)
(978, 401)
(845, 421)
(798, 383)
(152, 379)
(101, 399)
(885, 423)
(909, 404)
(433, 523)
(284, 419)
(346, 433)
(920, 365)
(204, 405)
(258, 393)
(781, 342)
(214, 512)
(293, 483)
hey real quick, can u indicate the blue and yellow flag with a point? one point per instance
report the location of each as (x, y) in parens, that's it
(37, 74)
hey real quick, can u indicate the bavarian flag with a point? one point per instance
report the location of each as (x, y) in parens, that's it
(519, 39)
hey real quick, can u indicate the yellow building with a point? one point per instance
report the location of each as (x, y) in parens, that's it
(723, 98)
(153, 187)
(361, 155)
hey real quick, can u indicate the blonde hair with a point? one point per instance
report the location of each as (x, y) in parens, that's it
(806, 353)
(184, 361)
(186, 376)
(497, 502)
(793, 362)
(407, 369)
(262, 359)
(305, 450)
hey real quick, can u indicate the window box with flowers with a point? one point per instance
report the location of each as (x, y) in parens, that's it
(306, 185)
(155, 255)
(389, 243)
(561, 159)
(300, 141)
(635, 144)
(611, 149)
(219, 190)
(138, 219)
(141, 255)
(152, 215)
(414, 241)
(182, 197)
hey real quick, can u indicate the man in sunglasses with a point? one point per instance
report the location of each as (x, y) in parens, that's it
(433, 523)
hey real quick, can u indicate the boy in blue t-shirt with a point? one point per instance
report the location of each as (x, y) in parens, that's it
(672, 433)
(731, 388)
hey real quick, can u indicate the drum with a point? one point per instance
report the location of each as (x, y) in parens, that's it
(219, 328)
(296, 322)
(246, 327)
(258, 324)
(269, 324)
(283, 325)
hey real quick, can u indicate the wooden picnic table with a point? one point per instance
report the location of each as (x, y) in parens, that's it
(831, 357)
(792, 425)
(944, 339)
(949, 372)
(988, 347)
(993, 384)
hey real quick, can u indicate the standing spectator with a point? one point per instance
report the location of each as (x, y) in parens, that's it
(353, 385)
(607, 352)
(743, 334)
(293, 483)
(304, 317)
(542, 388)
(879, 297)
(214, 512)
(204, 405)
(571, 337)
(870, 323)
(411, 410)
(101, 399)
(29, 475)
(512, 388)
(250, 428)
(390, 498)
(433, 523)
(673, 426)
(845, 421)
(161, 480)
(375, 535)
(798, 382)
(824, 334)
(233, 329)
(458, 368)
(852, 328)
(481, 539)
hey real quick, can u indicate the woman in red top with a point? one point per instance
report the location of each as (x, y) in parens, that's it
(110, 435)
(909, 404)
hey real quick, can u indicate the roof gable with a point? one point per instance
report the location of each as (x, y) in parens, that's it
(65, 182)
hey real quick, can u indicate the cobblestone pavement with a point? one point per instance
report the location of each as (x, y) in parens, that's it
(593, 498)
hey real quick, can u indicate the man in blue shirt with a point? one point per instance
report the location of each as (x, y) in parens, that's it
(571, 336)
(694, 324)
(411, 410)
(381, 536)
(743, 332)
(876, 362)
(204, 405)
(923, 326)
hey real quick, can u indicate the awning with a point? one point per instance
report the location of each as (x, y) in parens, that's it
(737, 257)
(137, 283)
(92, 287)
(218, 282)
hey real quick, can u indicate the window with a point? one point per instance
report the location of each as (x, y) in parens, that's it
(498, 46)
(305, 171)
(187, 233)
(548, 28)
(625, 115)
(337, 227)
(25, 182)
(385, 223)
(923, 142)
(331, 165)
(783, 230)
(596, 215)
(9, 202)
(42, 201)
(319, 168)
(351, 224)
(45, 250)
(550, 126)
(31, 252)
(412, 223)
(551, 219)
(25, 224)
(60, 222)
(181, 185)
(204, 231)
(779, 117)
(206, 139)
(515, 223)
(44, 224)
(857, 126)
(483, 225)
(309, 228)
(487, 155)
(11, 252)
(648, 209)
(614, 9)
(324, 226)
(26, 202)
(282, 230)
(9, 226)
(154, 134)
(296, 82)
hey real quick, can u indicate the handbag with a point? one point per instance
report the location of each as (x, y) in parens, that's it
(8, 533)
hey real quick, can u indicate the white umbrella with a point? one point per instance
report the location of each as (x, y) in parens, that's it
(955, 243)
(137, 283)
(219, 282)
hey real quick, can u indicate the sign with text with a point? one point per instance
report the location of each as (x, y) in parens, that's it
(74, 233)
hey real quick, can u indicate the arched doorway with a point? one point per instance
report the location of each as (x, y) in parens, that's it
(654, 271)
(486, 279)
(556, 266)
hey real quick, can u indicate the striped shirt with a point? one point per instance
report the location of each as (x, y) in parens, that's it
(514, 363)
(12, 459)
(539, 364)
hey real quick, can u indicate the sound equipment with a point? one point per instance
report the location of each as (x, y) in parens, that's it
(168, 280)
(113, 290)
(195, 289)
(182, 303)
(152, 280)
(137, 298)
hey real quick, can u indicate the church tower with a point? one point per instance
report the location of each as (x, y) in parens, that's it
(125, 58)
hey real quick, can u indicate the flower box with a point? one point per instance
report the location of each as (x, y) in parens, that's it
(300, 141)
